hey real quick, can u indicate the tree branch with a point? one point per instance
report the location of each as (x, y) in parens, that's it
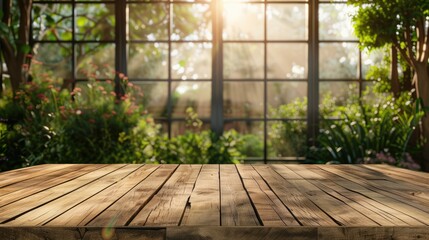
(409, 45)
(403, 53)
(426, 54)
(24, 28)
(420, 28)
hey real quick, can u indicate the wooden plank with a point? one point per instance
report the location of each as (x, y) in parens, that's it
(403, 233)
(366, 173)
(24, 170)
(236, 208)
(84, 212)
(49, 211)
(378, 212)
(414, 205)
(203, 207)
(167, 207)
(28, 173)
(270, 209)
(120, 212)
(242, 233)
(390, 200)
(26, 204)
(404, 172)
(71, 233)
(23, 193)
(404, 189)
(285, 171)
(305, 211)
(304, 171)
(36, 181)
(413, 177)
(355, 194)
(336, 209)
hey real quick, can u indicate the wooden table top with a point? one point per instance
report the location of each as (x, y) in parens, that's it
(278, 195)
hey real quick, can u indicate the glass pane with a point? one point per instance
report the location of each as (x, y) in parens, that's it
(287, 21)
(191, 61)
(334, 95)
(191, 22)
(287, 60)
(53, 59)
(180, 128)
(52, 22)
(287, 99)
(368, 95)
(191, 94)
(252, 135)
(95, 21)
(243, 21)
(373, 58)
(95, 60)
(148, 60)
(243, 60)
(88, 89)
(335, 22)
(338, 60)
(148, 21)
(243, 99)
(153, 96)
(287, 139)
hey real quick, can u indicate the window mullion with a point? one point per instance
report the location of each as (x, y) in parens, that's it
(217, 69)
(313, 75)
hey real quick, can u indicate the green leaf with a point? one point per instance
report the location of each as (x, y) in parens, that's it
(24, 48)
(81, 21)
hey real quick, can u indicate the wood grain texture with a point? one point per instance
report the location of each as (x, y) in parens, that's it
(305, 211)
(8, 178)
(19, 207)
(122, 211)
(214, 202)
(269, 207)
(49, 183)
(242, 233)
(236, 207)
(402, 233)
(84, 212)
(203, 206)
(167, 207)
(49, 211)
(71, 233)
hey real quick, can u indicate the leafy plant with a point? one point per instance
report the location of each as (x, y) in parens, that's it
(383, 128)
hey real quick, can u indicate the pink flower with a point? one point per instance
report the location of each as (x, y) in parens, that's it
(41, 96)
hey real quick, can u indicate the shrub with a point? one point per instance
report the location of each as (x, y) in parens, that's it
(375, 133)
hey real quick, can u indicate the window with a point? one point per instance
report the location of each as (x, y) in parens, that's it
(239, 64)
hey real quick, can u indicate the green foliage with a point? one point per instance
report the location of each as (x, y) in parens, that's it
(381, 22)
(91, 125)
(371, 134)
(251, 145)
(288, 138)
(194, 146)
